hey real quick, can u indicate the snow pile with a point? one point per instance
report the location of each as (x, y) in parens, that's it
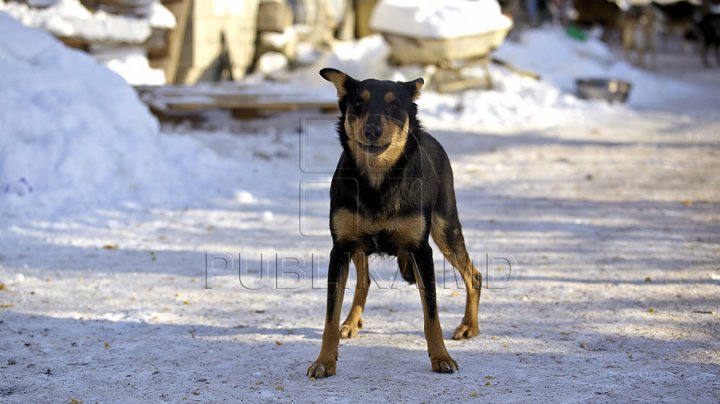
(160, 17)
(75, 136)
(438, 19)
(519, 102)
(515, 103)
(69, 18)
(366, 57)
(362, 59)
(130, 62)
(561, 60)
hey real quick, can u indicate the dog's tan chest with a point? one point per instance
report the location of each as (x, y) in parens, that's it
(403, 230)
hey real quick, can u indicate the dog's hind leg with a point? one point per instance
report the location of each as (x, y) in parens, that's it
(447, 234)
(353, 322)
(324, 365)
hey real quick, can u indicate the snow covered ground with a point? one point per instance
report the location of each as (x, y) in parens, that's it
(611, 215)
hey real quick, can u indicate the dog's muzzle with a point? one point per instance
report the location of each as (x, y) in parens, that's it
(373, 133)
(374, 150)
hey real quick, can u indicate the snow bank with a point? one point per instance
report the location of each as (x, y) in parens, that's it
(75, 136)
(438, 19)
(131, 62)
(364, 58)
(69, 18)
(518, 103)
(160, 17)
(561, 60)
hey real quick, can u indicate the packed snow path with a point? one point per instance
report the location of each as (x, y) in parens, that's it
(615, 230)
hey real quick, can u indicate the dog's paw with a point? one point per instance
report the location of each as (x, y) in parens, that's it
(321, 369)
(350, 330)
(444, 365)
(466, 331)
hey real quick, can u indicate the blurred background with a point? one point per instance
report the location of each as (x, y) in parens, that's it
(185, 41)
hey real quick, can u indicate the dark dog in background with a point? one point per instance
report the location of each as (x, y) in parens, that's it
(709, 31)
(392, 190)
(677, 19)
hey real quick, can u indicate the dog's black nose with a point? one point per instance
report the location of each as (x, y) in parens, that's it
(372, 132)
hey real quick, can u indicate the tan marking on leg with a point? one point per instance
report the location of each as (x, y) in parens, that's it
(353, 322)
(459, 259)
(440, 359)
(325, 364)
(437, 231)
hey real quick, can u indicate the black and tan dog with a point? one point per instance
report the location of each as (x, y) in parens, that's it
(392, 190)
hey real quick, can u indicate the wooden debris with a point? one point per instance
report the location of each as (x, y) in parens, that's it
(243, 100)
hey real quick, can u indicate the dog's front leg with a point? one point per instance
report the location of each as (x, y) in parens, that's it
(324, 365)
(353, 322)
(425, 277)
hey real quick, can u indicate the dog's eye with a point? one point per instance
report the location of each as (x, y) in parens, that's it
(359, 105)
(394, 106)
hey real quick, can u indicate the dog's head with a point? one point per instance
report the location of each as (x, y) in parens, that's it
(376, 116)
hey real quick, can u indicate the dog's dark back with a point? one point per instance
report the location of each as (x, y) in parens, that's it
(681, 12)
(709, 28)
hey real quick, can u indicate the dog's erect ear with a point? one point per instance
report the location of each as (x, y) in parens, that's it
(342, 81)
(413, 87)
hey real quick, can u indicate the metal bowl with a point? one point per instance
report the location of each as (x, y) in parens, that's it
(610, 90)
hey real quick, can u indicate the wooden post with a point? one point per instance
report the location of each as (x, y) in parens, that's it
(177, 40)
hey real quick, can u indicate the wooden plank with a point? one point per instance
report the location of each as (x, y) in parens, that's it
(516, 70)
(233, 97)
(230, 89)
(284, 101)
(463, 84)
(247, 104)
